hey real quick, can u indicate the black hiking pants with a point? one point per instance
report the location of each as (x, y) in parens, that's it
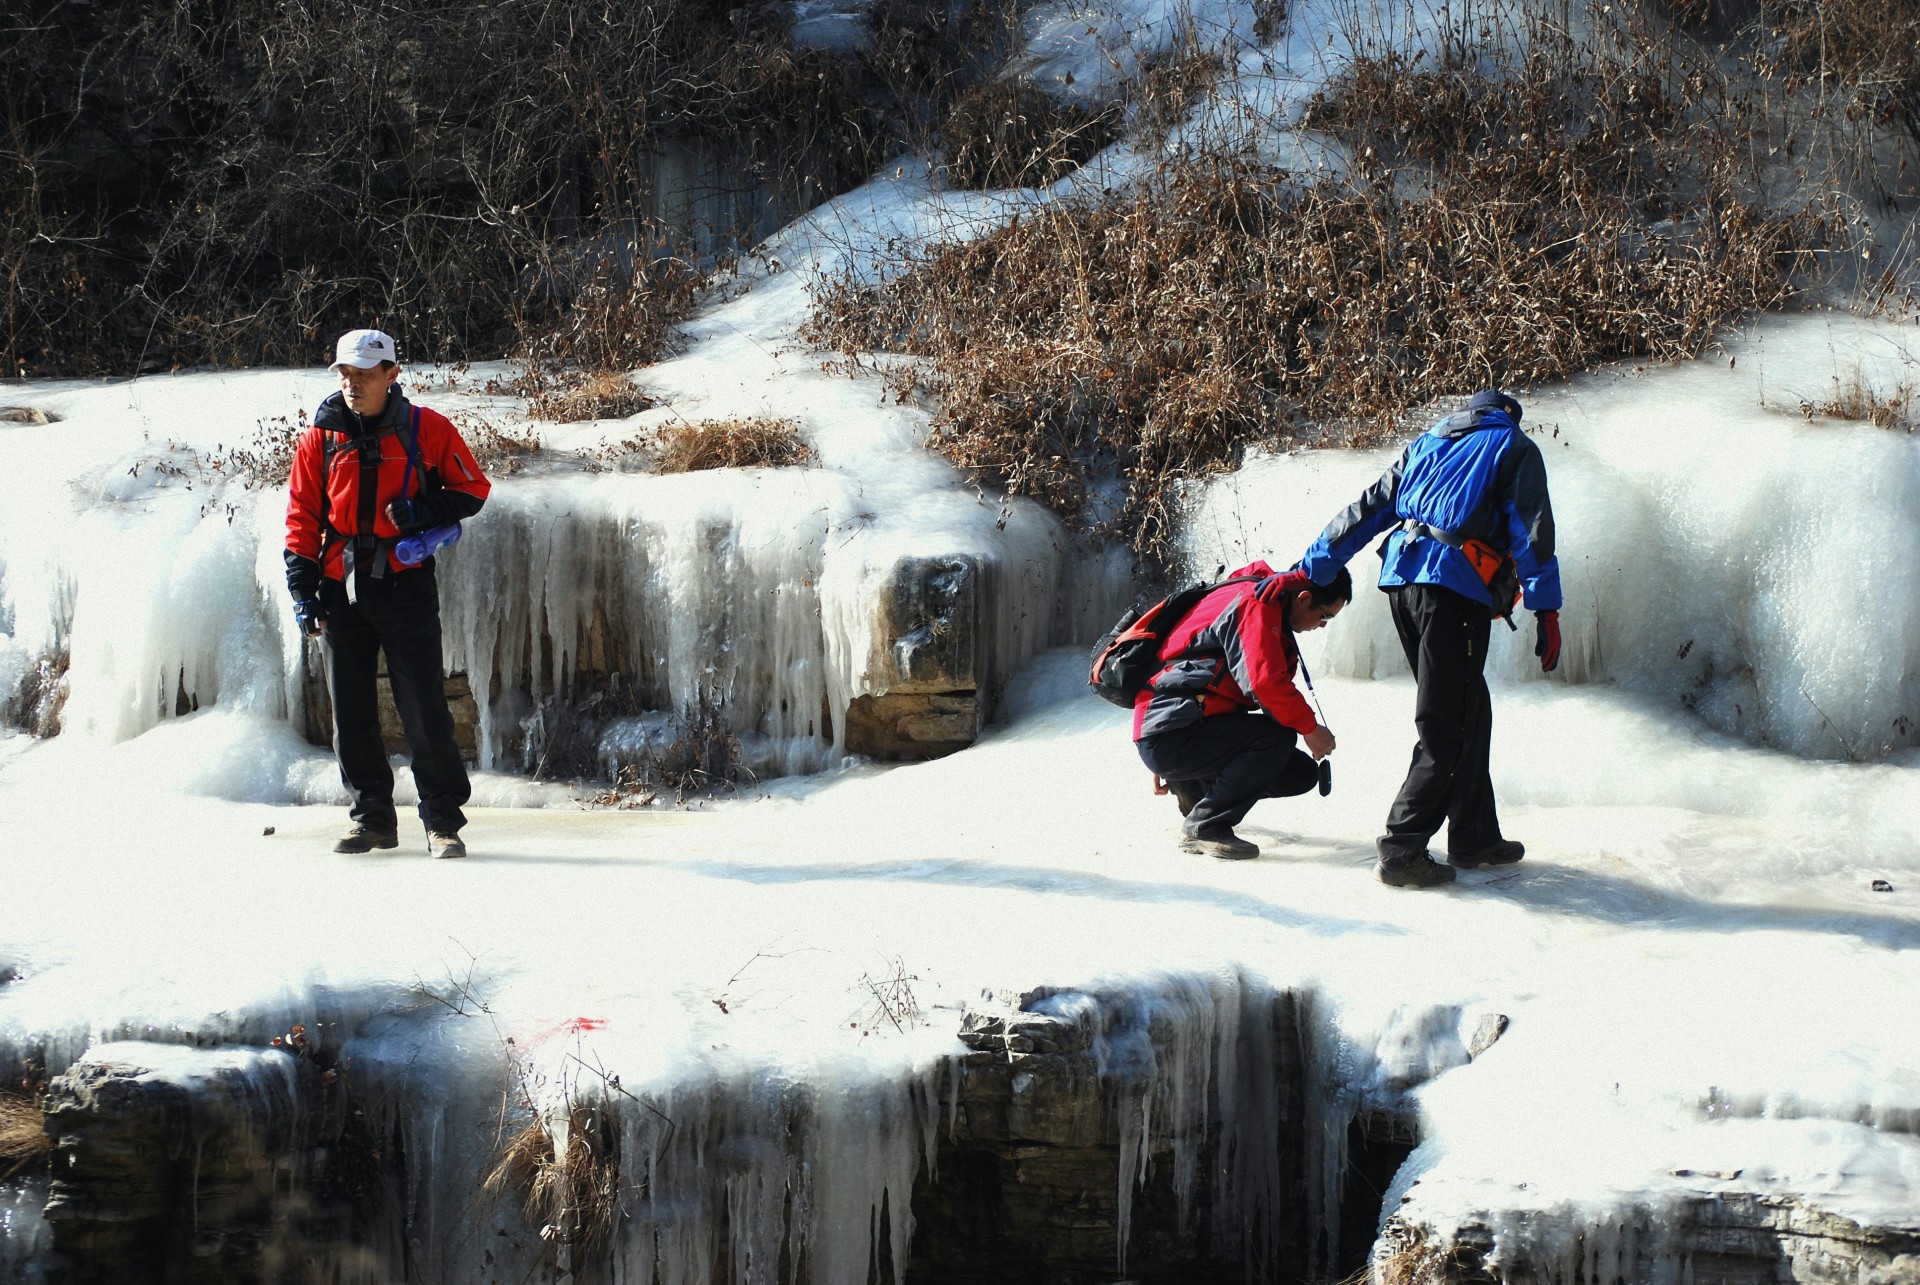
(1445, 637)
(398, 614)
(1234, 760)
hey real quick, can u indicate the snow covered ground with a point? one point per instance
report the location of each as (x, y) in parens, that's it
(1700, 977)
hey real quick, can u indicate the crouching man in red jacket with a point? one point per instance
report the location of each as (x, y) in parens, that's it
(371, 468)
(1221, 721)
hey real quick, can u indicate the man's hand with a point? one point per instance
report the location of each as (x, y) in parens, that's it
(1546, 639)
(403, 514)
(1319, 743)
(311, 615)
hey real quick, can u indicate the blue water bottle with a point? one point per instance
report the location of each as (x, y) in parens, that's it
(412, 550)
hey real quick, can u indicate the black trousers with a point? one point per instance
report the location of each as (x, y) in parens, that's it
(400, 615)
(1236, 759)
(1445, 637)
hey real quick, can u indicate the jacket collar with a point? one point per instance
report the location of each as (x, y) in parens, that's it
(334, 415)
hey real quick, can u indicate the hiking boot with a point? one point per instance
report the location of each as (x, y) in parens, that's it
(1219, 841)
(444, 843)
(1503, 853)
(365, 838)
(1186, 794)
(1416, 872)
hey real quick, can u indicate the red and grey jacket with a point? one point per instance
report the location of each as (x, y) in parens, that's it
(1232, 653)
(408, 453)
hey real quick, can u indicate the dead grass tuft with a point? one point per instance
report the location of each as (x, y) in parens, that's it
(1169, 91)
(604, 396)
(744, 442)
(702, 757)
(573, 1199)
(1502, 224)
(23, 1133)
(1857, 400)
(1405, 1256)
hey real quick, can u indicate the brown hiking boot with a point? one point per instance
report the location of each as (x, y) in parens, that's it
(1503, 853)
(1417, 872)
(1219, 841)
(441, 843)
(365, 838)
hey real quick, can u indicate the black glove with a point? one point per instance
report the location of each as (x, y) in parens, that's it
(406, 514)
(310, 614)
(303, 576)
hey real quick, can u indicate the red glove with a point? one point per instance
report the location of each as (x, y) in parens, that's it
(1546, 639)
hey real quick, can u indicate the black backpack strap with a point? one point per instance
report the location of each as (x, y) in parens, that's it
(332, 442)
(1199, 598)
(413, 458)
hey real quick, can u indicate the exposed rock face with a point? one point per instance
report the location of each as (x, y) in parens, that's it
(929, 616)
(1728, 1238)
(175, 1163)
(912, 725)
(218, 1165)
(1029, 1181)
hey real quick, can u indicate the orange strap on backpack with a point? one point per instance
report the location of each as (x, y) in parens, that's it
(1495, 568)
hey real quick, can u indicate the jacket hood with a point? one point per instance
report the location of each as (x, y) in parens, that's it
(1490, 408)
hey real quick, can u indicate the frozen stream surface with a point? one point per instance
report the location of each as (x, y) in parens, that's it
(1709, 960)
(1698, 975)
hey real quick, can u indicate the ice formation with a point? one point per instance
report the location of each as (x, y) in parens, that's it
(1720, 548)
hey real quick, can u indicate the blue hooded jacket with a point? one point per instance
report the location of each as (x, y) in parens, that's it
(1474, 474)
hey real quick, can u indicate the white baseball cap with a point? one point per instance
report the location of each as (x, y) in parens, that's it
(364, 349)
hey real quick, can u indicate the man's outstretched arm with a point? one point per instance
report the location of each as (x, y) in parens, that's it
(1357, 524)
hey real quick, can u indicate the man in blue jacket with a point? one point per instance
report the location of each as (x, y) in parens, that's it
(1469, 530)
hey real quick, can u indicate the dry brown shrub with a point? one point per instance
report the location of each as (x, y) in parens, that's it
(620, 318)
(1857, 400)
(1012, 133)
(1170, 89)
(574, 1198)
(495, 449)
(35, 706)
(744, 442)
(268, 460)
(1866, 50)
(1502, 225)
(23, 1133)
(602, 396)
(234, 184)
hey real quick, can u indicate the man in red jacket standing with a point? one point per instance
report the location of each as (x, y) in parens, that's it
(371, 468)
(1221, 721)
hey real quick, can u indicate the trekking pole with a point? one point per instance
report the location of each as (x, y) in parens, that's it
(1326, 764)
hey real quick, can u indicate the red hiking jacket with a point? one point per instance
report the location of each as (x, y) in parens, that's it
(1234, 652)
(318, 485)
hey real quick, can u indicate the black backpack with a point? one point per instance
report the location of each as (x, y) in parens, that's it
(1128, 655)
